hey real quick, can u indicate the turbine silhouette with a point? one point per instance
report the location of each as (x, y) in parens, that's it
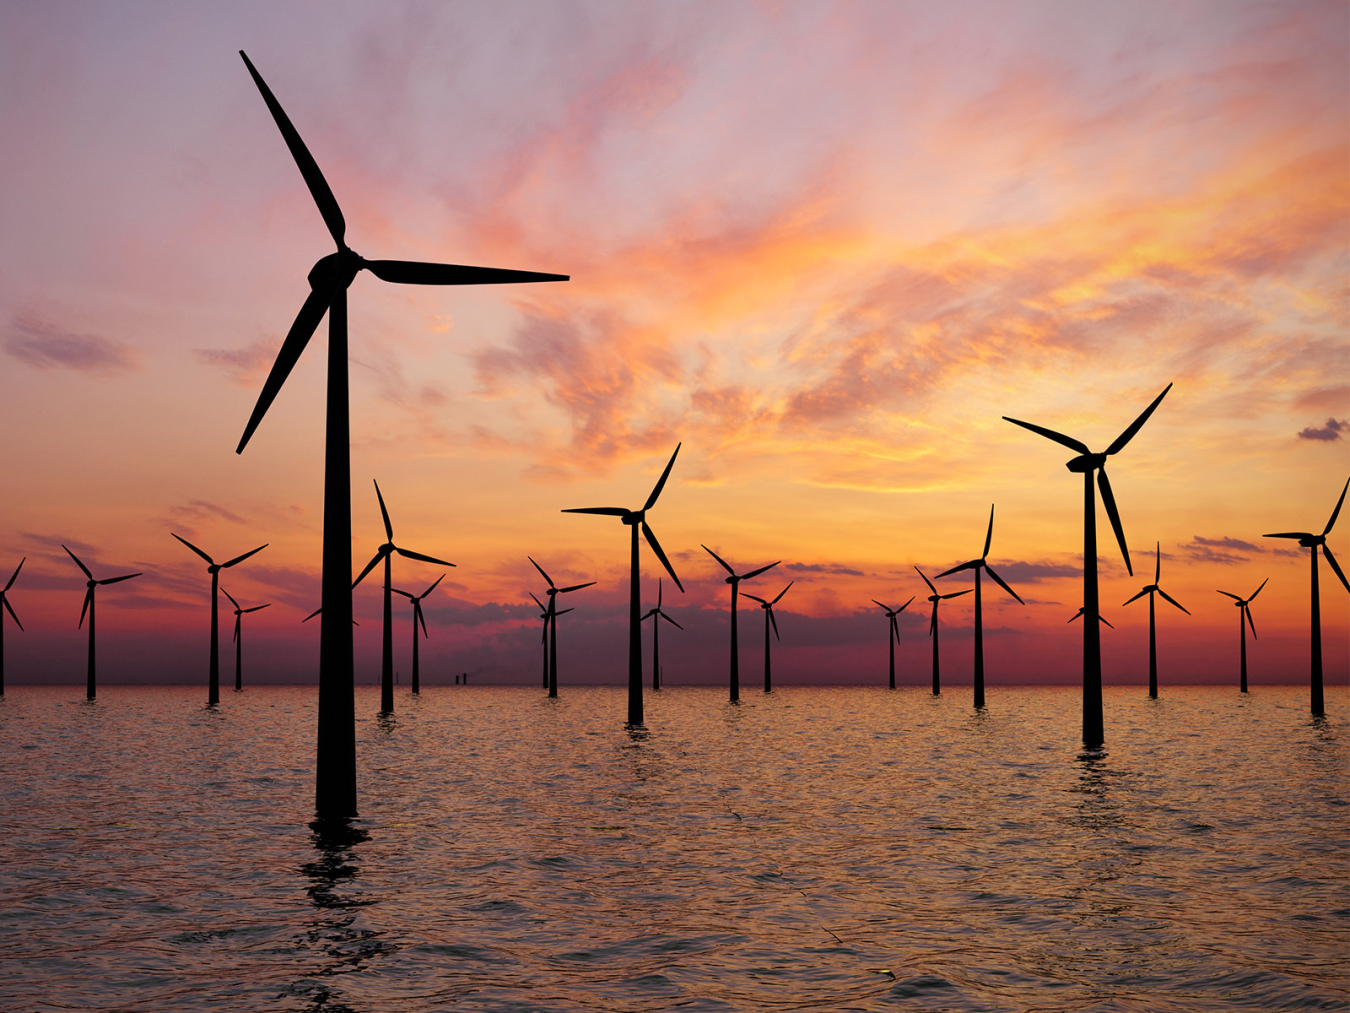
(335, 771)
(553, 613)
(239, 614)
(977, 565)
(1079, 614)
(635, 519)
(318, 611)
(935, 598)
(1149, 589)
(1086, 463)
(1244, 607)
(655, 615)
(214, 568)
(1310, 541)
(418, 617)
(545, 615)
(4, 601)
(91, 683)
(893, 637)
(385, 552)
(767, 606)
(735, 581)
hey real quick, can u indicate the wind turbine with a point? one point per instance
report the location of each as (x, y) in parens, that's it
(893, 637)
(1152, 633)
(735, 582)
(1086, 463)
(239, 614)
(418, 617)
(1244, 607)
(655, 615)
(1079, 614)
(635, 519)
(977, 565)
(89, 608)
(4, 600)
(335, 771)
(214, 568)
(1311, 541)
(386, 552)
(767, 606)
(553, 613)
(318, 611)
(935, 598)
(545, 615)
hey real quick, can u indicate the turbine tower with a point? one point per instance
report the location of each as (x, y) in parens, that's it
(767, 606)
(239, 614)
(1152, 631)
(935, 598)
(91, 683)
(1244, 607)
(335, 770)
(735, 581)
(214, 568)
(656, 615)
(4, 600)
(418, 617)
(552, 613)
(893, 637)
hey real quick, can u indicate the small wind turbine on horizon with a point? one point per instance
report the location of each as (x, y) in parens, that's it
(1086, 463)
(239, 613)
(977, 565)
(1149, 589)
(553, 613)
(1310, 541)
(656, 615)
(935, 598)
(1244, 607)
(546, 616)
(893, 637)
(637, 519)
(4, 600)
(88, 608)
(767, 606)
(418, 617)
(735, 581)
(214, 568)
(1079, 615)
(335, 770)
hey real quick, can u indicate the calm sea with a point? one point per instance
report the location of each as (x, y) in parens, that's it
(817, 849)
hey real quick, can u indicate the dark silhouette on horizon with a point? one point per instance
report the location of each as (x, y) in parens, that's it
(553, 613)
(418, 617)
(935, 598)
(977, 565)
(735, 581)
(88, 608)
(214, 568)
(335, 768)
(238, 638)
(1311, 541)
(656, 615)
(893, 637)
(318, 611)
(4, 601)
(1094, 729)
(1244, 607)
(386, 552)
(546, 616)
(1149, 589)
(1100, 618)
(767, 606)
(635, 519)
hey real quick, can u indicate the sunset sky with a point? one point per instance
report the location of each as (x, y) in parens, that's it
(827, 246)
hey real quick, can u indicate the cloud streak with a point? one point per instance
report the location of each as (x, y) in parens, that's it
(46, 346)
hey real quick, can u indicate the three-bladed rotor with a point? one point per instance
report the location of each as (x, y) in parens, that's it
(1100, 619)
(736, 578)
(89, 585)
(239, 612)
(982, 562)
(211, 565)
(768, 606)
(4, 594)
(891, 614)
(554, 590)
(658, 612)
(416, 600)
(1245, 604)
(388, 548)
(1311, 541)
(1157, 576)
(935, 598)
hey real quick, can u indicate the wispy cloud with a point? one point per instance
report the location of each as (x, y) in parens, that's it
(1228, 551)
(245, 366)
(1331, 431)
(47, 346)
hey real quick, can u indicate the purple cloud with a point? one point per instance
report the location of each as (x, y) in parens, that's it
(1331, 431)
(46, 346)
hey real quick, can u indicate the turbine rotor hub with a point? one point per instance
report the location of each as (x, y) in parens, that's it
(335, 269)
(1086, 462)
(91, 583)
(1312, 541)
(634, 517)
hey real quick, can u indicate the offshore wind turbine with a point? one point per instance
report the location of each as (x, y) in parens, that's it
(214, 568)
(935, 598)
(1149, 589)
(239, 614)
(418, 617)
(735, 581)
(1310, 541)
(977, 565)
(91, 683)
(385, 552)
(4, 600)
(335, 770)
(893, 637)
(635, 519)
(1244, 607)
(1086, 463)
(656, 615)
(545, 615)
(553, 613)
(767, 606)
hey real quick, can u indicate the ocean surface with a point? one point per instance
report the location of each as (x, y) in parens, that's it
(815, 849)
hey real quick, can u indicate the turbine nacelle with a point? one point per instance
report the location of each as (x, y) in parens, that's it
(1086, 462)
(633, 517)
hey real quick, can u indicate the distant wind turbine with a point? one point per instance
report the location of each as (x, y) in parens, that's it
(635, 519)
(767, 606)
(1152, 633)
(977, 565)
(546, 616)
(4, 600)
(735, 581)
(335, 771)
(1244, 607)
(1310, 541)
(418, 617)
(91, 683)
(239, 614)
(935, 598)
(1087, 462)
(656, 615)
(553, 613)
(214, 568)
(893, 637)
(1079, 613)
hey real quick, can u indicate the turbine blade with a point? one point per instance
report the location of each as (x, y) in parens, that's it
(240, 559)
(903, 607)
(1109, 501)
(1326, 551)
(782, 592)
(605, 511)
(257, 608)
(231, 597)
(194, 548)
(417, 610)
(999, 580)
(405, 594)
(564, 612)
(312, 614)
(886, 607)
(88, 597)
(1246, 610)
(650, 535)
(1103, 619)
(1335, 513)
(388, 528)
(369, 566)
(1174, 601)
(1157, 562)
(1257, 591)
(774, 623)
(546, 577)
(306, 321)
(719, 559)
(957, 594)
(576, 587)
(658, 592)
(1290, 534)
(670, 620)
(409, 554)
(1075, 615)
(932, 623)
(661, 482)
(15, 575)
(756, 573)
(237, 620)
(537, 601)
(958, 569)
(118, 580)
(78, 563)
(1050, 434)
(989, 535)
(926, 580)
(10, 609)
(895, 629)
(318, 186)
(432, 587)
(416, 272)
(650, 613)
(1230, 594)
(1119, 443)
(1135, 598)
(755, 597)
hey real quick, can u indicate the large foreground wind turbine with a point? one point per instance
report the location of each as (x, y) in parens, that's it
(335, 772)
(767, 606)
(893, 637)
(88, 608)
(935, 598)
(1152, 633)
(977, 565)
(1310, 541)
(1087, 462)
(1244, 607)
(656, 615)
(418, 617)
(214, 568)
(4, 600)
(735, 581)
(239, 613)
(552, 614)
(635, 519)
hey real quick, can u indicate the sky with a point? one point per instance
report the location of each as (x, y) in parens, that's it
(823, 247)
